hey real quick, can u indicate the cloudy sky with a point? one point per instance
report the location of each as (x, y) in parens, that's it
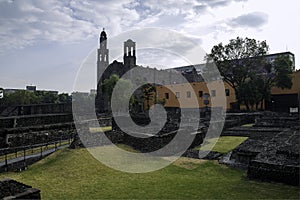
(44, 42)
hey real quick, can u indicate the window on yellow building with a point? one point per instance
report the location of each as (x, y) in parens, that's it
(177, 94)
(166, 95)
(200, 94)
(213, 93)
(227, 92)
(188, 94)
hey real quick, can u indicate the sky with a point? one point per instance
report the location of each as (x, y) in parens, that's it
(44, 43)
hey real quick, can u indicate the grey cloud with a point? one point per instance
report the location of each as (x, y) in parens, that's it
(199, 9)
(218, 3)
(203, 5)
(25, 23)
(251, 20)
(215, 3)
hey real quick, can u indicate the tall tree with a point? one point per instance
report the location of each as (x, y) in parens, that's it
(274, 74)
(64, 98)
(243, 66)
(20, 97)
(108, 86)
(47, 97)
(237, 61)
(148, 93)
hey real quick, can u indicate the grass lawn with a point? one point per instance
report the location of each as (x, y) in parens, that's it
(100, 129)
(75, 174)
(248, 125)
(224, 144)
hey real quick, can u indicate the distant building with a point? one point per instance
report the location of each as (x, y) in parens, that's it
(30, 88)
(10, 90)
(93, 92)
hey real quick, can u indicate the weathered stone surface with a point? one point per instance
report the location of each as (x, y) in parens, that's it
(238, 119)
(211, 155)
(76, 143)
(11, 189)
(252, 132)
(279, 160)
(36, 134)
(36, 109)
(272, 152)
(34, 120)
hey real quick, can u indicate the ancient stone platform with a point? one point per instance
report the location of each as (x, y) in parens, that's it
(272, 151)
(11, 189)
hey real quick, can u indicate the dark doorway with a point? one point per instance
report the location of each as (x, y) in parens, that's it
(282, 102)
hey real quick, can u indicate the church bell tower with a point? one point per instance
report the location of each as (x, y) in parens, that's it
(103, 55)
(102, 63)
(129, 54)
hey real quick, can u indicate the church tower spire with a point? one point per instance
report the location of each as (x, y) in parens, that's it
(103, 55)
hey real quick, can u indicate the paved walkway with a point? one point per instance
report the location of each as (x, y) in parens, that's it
(35, 155)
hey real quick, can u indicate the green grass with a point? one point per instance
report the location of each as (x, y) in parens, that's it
(100, 129)
(75, 174)
(223, 144)
(247, 125)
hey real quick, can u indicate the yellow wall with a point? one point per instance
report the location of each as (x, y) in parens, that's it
(295, 88)
(195, 101)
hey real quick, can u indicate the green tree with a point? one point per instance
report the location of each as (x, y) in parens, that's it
(283, 69)
(244, 67)
(237, 61)
(47, 97)
(249, 93)
(20, 97)
(64, 98)
(148, 90)
(108, 86)
(276, 74)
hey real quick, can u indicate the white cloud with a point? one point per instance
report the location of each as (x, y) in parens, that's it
(28, 22)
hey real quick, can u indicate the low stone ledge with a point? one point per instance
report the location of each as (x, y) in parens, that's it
(288, 174)
(11, 189)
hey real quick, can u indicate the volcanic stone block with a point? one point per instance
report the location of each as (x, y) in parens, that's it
(11, 189)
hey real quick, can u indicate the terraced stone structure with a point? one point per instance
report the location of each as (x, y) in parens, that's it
(38, 123)
(272, 152)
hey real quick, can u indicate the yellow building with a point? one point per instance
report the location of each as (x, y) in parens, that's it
(284, 100)
(192, 95)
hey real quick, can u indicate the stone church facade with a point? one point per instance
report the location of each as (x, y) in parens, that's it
(106, 69)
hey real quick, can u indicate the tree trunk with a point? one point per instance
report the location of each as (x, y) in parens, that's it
(247, 106)
(256, 106)
(262, 104)
(238, 102)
